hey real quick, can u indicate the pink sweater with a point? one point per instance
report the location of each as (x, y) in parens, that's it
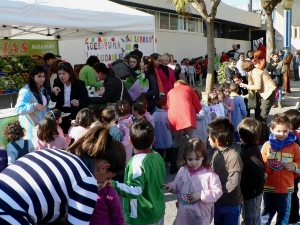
(108, 208)
(208, 184)
(59, 143)
(77, 131)
(125, 135)
(229, 102)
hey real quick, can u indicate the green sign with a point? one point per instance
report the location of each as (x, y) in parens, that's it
(28, 47)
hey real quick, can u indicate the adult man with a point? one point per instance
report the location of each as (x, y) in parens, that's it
(157, 62)
(157, 59)
(231, 52)
(287, 58)
(238, 51)
(137, 52)
(48, 59)
(239, 64)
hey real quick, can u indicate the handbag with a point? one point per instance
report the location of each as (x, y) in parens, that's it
(252, 100)
(113, 105)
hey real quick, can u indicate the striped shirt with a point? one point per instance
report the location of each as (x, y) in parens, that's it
(43, 186)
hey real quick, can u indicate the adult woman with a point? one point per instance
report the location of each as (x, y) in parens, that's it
(231, 70)
(249, 55)
(259, 60)
(263, 85)
(87, 73)
(32, 101)
(238, 79)
(114, 87)
(165, 73)
(153, 93)
(183, 105)
(69, 93)
(56, 182)
(52, 72)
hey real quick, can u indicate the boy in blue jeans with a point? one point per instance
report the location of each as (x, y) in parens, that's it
(145, 172)
(228, 165)
(281, 156)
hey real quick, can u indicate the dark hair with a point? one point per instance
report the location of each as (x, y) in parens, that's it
(141, 134)
(36, 70)
(141, 109)
(237, 75)
(247, 66)
(92, 60)
(65, 66)
(84, 117)
(233, 87)
(280, 119)
(248, 52)
(238, 45)
(138, 62)
(48, 56)
(54, 114)
(13, 131)
(199, 94)
(197, 146)
(108, 115)
(136, 45)
(231, 59)
(241, 53)
(222, 130)
(97, 143)
(101, 67)
(249, 130)
(294, 116)
(150, 67)
(123, 107)
(155, 56)
(53, 68)
(47, 129)
(142, 100)
(162, 101)
(96, 112)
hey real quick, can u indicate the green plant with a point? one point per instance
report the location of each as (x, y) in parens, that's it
(221, 72)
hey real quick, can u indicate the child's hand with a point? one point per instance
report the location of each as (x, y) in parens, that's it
(168, 187)
(194, 197)
(288, 166)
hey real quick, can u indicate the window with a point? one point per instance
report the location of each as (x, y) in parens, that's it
(164, 21)
(295, 33)
(156, 14)
(182, 23)
(192, 25)
(174, 22)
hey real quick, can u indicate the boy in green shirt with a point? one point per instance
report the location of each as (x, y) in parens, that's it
(143, 193)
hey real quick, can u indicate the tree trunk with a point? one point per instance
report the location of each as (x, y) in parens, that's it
(270, 35)
(210, 82)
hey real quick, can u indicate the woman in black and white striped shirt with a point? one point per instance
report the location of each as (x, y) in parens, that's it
(45, 185)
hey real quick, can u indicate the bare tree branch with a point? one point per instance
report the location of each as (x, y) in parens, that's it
(269, 5)
(214, 7)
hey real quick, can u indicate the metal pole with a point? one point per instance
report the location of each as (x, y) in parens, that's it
(287, 27)
(250, 6)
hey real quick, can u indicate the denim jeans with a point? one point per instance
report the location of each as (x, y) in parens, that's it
(279, 89)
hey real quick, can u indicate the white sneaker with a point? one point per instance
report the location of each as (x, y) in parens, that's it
(200, 85)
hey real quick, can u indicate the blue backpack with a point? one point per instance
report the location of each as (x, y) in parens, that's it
(3, 159)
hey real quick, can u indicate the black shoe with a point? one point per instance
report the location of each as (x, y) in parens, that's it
(174, 155)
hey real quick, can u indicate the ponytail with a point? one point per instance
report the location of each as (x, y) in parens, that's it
(97, 143)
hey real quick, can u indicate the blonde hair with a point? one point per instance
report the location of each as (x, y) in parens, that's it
(165, 56)
(178, 82)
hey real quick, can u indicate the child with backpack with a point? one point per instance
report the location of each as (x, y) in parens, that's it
(17, 146)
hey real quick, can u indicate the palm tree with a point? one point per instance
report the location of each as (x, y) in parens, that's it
(208, 18)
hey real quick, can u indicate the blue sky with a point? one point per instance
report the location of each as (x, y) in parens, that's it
(235, 2)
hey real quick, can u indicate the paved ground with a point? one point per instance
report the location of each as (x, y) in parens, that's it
(289, 101)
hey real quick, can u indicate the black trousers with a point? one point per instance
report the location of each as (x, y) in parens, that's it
(294, 214)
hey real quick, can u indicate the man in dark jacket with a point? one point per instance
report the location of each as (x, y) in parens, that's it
(137, 52)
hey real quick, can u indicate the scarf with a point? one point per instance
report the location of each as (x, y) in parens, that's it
(277, 145)
(159, 84)
(192, 172)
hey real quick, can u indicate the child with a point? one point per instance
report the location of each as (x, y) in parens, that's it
(239, 111)
(143, 101)
(83, 121)
(228, 165)
(108, 208)
(139, 112)
(183, 70)
(282, 159)
(14, 134)
(48, 136)
(125, 118)
(97, 116)
(294, 116)
(143, 193)
(252, 181)
(216, 109)
(191, 73)
(57, 116)
(109, 120)
(197, 186)
(163, 136)
(228, 102)
(203, 118)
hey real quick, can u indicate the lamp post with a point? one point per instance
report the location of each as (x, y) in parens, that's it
(287, 6)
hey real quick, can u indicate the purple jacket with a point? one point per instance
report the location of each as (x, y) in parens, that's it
(108, 208)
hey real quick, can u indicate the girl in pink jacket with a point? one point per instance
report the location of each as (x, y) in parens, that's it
(197, 186)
